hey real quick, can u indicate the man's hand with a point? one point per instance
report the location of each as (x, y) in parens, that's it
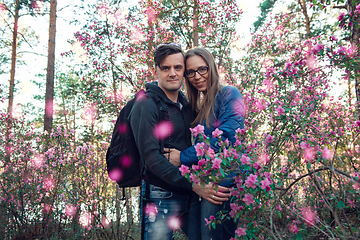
(209, 193)
(173, 155)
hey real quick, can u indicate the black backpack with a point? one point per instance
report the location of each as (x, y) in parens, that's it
(123, 161)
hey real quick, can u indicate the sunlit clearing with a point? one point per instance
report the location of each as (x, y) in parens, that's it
(105, 222)
(103, 10)
(70, 210)
(38, 6)
(26, 87)
(115, 174)
(38, 160)
(243, 4)
(126, 161)
(163, 130)
(80, 53)
(22, 23)
(89, 113)
(173, 223)
(85, 219)
(239, 107)
(237, 43)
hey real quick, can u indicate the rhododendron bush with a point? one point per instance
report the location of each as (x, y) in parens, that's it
(295, 165)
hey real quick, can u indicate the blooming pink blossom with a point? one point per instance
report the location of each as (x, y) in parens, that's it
(293, 228)
(199, 129)
(216, 163)
(184, 169)
(251, 180)
(199, 148)
(216, 133)
(265, 184)
(280, 111)
(240, 231)
(248, 199)
(245, 159)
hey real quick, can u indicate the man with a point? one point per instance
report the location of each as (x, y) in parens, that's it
(167, 206)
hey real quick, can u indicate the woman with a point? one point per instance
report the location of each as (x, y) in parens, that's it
(219, 107)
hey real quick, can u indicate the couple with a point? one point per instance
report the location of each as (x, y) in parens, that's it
(173, 201)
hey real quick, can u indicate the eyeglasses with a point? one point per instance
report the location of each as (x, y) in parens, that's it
(175, 44)
(201, 70)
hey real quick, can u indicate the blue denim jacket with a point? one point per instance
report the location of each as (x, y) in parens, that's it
(229, 110)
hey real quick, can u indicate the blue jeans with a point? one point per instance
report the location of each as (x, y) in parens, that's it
(164, 211)
(201, 209)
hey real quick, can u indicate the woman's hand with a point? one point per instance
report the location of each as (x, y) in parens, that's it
(209, 193)
(173, 155)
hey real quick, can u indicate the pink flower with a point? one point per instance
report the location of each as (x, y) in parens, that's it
(216, 163)
(216, 133)
(265, 184)
(293, 228)
(256, 165)
(240, 231)
(341, 16)
(351, 203)
(269, 139)
(248, 199)
(251, 180)
(199, 147)
(327, 154)
(199, 129)
(356, 186)
(309, 216)
(245, 159)
(184, 169)
(280, 111)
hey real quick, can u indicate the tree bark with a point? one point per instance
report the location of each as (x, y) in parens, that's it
(12, 82)
(302, 4)
(196, 24)
(13, 59)
(354, 40)
(49, 95)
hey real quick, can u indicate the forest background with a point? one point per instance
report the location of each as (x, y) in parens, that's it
(298, 73)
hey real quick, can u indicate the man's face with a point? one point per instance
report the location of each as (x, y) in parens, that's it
(170, 73)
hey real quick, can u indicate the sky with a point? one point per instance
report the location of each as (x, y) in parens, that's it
(37, 63)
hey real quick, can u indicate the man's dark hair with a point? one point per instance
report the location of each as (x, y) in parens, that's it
(163, 51)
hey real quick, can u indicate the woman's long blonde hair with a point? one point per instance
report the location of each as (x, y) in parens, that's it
(206, 106)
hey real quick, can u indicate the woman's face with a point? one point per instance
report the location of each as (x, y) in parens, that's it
(196, 65)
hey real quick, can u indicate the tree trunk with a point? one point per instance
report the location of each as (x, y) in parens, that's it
(302, 4)
(196, 25)
(354, 40)
(49, 95)
(12, 82)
